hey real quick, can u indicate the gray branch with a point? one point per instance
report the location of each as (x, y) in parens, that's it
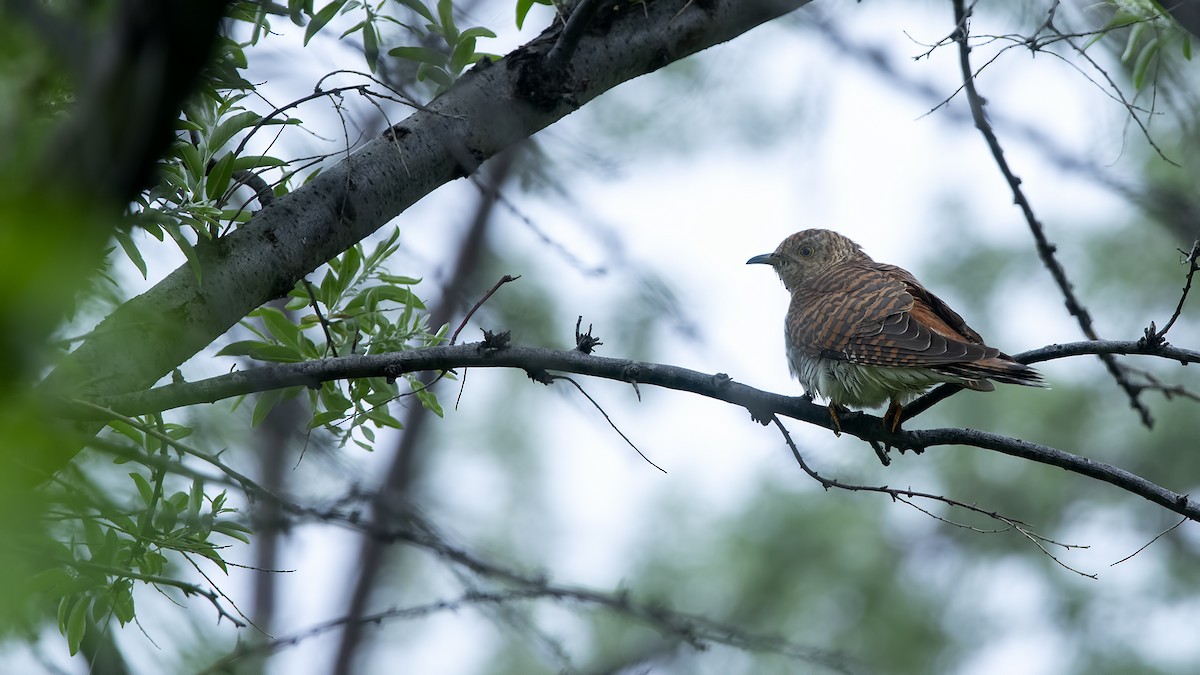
(537, 361)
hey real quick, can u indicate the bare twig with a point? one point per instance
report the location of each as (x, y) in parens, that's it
(609, 420)
(312, 299)
(503, 280)
(1147, 544)
(1044, 247)
(900, 495)
(1155, 338)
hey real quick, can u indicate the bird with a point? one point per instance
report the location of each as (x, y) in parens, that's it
(861, 333)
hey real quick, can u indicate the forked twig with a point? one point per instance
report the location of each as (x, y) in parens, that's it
(904, 495)
(503, 280)
(1156, 338)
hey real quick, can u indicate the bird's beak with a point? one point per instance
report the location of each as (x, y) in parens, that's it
(764, 259)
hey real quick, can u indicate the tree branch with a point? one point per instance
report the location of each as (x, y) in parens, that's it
(1045, 249)
(761, 404)
(489, 109)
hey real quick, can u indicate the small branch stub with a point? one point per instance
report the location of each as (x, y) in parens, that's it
(585, 342)
(495, 341)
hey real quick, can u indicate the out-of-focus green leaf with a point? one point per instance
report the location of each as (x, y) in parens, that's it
(418, 7)
(131, 250)
(419, 54)
(219, 177)
(321, 18)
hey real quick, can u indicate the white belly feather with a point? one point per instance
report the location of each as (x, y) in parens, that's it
(846, 383)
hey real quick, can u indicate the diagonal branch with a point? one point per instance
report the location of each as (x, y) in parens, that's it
(1044, 247)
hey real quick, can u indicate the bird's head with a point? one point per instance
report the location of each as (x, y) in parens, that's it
(808, 253)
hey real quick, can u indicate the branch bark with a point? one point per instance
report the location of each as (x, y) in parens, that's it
(487, 110)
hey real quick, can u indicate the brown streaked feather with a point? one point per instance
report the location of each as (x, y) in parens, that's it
(877, 315)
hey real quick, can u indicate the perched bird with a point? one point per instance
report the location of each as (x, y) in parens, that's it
(860, 332)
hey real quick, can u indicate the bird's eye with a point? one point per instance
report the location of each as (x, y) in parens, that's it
(806, 251)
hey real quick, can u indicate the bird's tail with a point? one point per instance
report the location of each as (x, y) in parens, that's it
(998, 369)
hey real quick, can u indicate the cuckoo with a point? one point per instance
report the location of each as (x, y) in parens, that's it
(861, 333)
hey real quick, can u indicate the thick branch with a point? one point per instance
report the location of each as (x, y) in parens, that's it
(490, 108)
(761, 404)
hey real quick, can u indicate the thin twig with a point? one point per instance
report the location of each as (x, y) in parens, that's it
(1155, 338)
(1147, 544)
(1044, 247)
(900, 495)
(503, 280)
(609, 420)
(312, 299)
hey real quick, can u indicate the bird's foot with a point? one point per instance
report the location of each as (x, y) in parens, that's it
(891, 418)
(833, 415)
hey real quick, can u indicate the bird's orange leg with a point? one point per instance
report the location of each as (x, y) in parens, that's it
(837, 424)
(892, 414)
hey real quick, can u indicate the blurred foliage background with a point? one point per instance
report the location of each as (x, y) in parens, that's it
(637, 213)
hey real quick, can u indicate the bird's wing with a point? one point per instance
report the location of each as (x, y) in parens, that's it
(878, 315)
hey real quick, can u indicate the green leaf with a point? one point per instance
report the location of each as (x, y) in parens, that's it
(93, 536)
(322, 418)
(463, 55)
(383, 249)
(356, 27)
(370, 298)
(380, 417)
(265, 403)
(123, 607)
(193, 163)
(233, 529)
(438, 75)
(1135, 36)
(322, 17)
(229, 127)
(418, 7)
(446, 15)
(219, 177)
(127, 431)
(523, 7)
(332, 398)
(419, 54)
(188, 251)
(77, 624)
(279, 325)
(241, 348)
(277, 354)
(477, 32)
(52, 581)
(256, 161)
(428, 399)
(371, 46)
(195, 500)
(399, 280)
(297, 9)
(131, 250)
(143, 488)
(1144, 61)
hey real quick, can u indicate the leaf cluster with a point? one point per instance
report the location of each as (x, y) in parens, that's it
(358, 307)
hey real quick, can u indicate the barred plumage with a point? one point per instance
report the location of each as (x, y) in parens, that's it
(861, 333)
